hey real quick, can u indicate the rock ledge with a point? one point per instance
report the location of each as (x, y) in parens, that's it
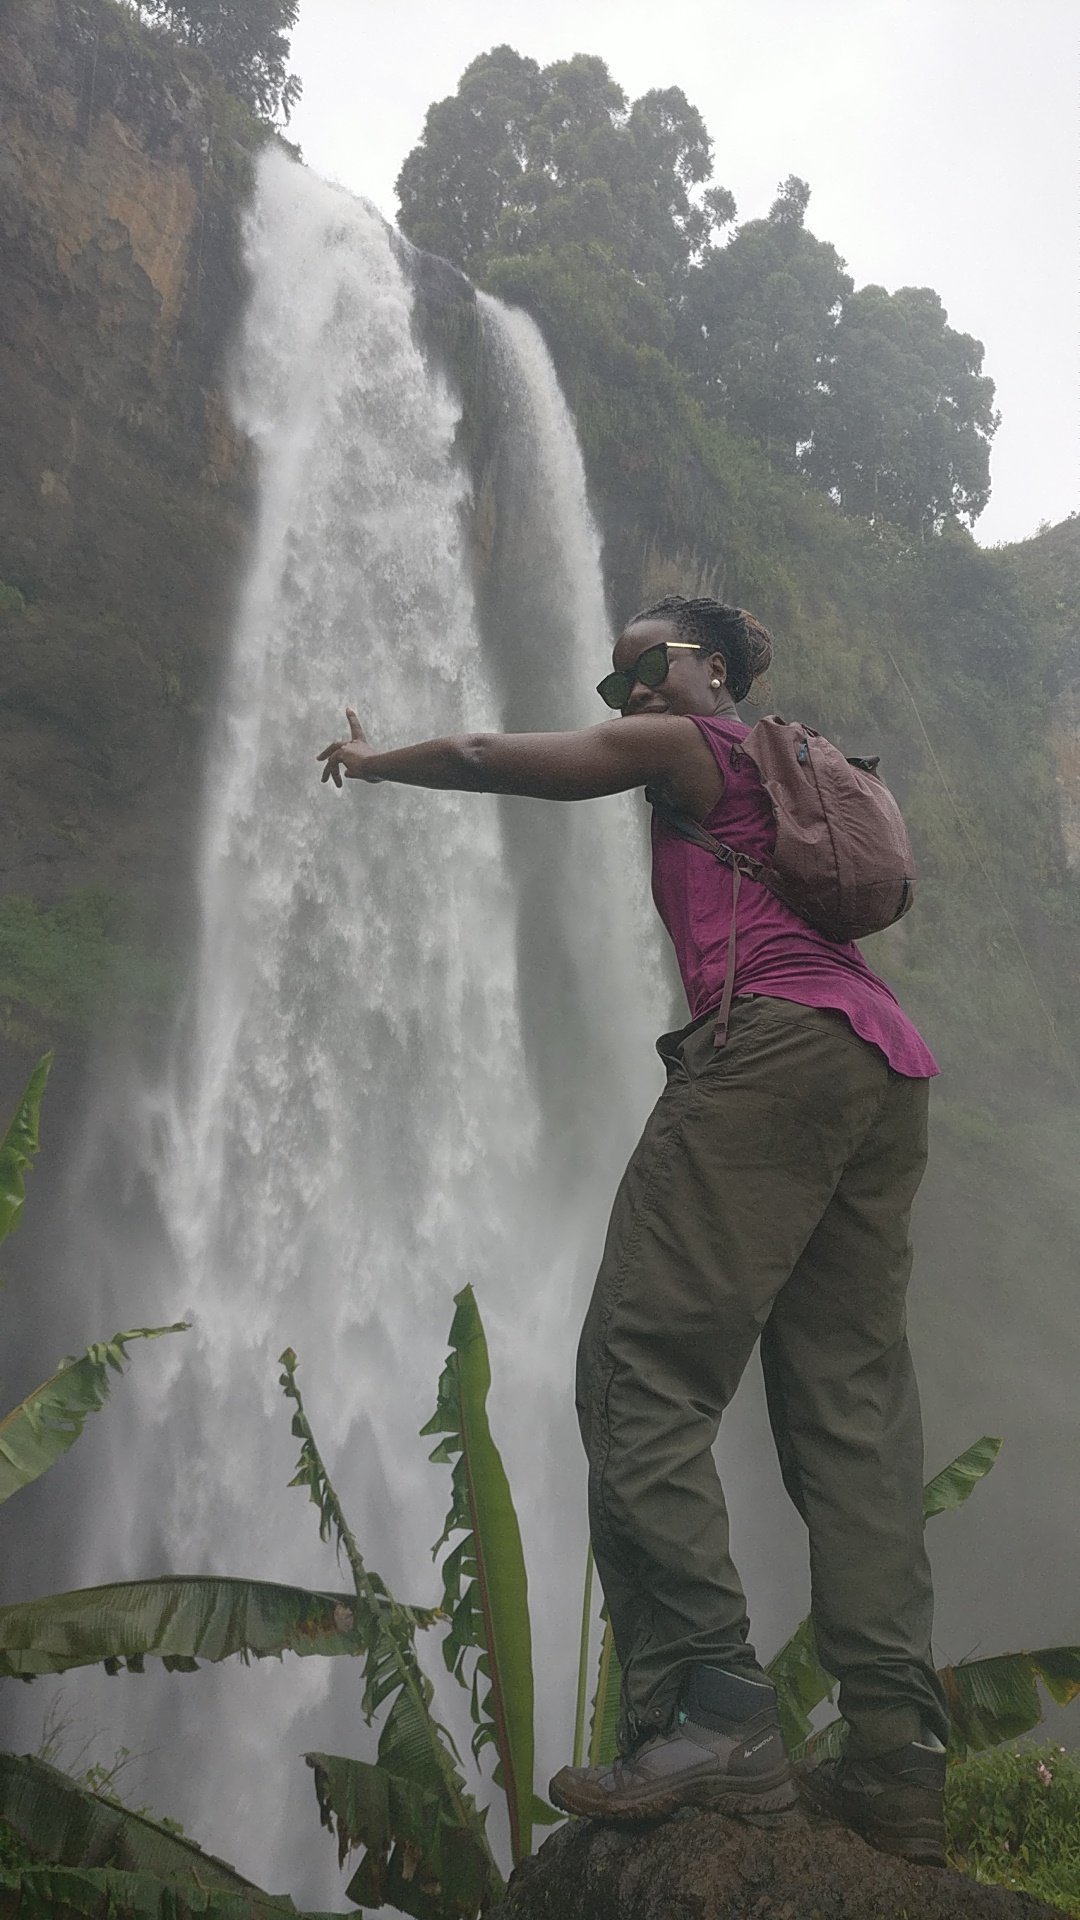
(703, 1866)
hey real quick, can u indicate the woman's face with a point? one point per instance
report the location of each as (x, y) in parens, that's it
(686, 688)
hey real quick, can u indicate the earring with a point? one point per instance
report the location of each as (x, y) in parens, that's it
(716, 683)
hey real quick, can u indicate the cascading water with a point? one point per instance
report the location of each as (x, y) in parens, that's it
(416, 1049)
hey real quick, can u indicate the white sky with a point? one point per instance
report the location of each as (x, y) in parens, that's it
(940, 138)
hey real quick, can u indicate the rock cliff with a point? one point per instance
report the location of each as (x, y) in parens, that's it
(122, 482)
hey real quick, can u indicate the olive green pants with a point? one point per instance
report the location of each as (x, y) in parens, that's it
(769, 1196)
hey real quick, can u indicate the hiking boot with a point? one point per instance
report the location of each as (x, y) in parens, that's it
(726, 1751)
(896, 1801)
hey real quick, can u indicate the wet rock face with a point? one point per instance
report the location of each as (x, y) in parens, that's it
(703, 1866)
(122, 484)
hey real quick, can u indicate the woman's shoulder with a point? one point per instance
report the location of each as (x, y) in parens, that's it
(721, 726)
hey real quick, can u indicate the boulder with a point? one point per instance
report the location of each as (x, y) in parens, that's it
(705, 1866)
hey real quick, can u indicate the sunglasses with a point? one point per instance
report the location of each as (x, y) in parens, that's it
(650, 667)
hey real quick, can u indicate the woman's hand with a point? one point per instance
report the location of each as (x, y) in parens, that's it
(346, 756)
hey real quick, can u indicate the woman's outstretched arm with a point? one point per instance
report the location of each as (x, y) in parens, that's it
(610, 758)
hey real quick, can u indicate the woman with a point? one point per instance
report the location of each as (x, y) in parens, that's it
(769, 1197)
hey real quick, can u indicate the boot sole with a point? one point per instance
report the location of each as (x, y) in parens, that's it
(776, 1795)
(923, 1846)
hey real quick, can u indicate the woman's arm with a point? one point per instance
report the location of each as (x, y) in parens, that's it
(664, 749)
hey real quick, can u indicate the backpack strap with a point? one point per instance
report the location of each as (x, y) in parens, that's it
(690, 829)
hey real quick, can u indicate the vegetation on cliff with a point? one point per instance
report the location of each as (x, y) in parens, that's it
(547, 185)
(246, 42)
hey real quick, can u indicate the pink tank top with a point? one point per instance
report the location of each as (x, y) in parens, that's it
(776, 953)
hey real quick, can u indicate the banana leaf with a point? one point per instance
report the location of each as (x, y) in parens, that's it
(179, 1619)
(414, 1859)
(828, 1744)
(18, 1147)
(801, 1682)
(583, 1660)
(485, 1588)
(604, 1725)
(103, 1893)
(989, 1700)
(65, 1824)
(998, 1698)
(416, 1755)
(49, 1421)
(956, 1482)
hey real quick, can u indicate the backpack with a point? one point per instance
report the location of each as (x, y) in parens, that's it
(842, 860)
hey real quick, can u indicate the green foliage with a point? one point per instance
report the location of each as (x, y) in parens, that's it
(485, 1589)
(757, 323)
(380, 1609)
(1013, 1818)
(179, 1619)
(12, 1851)
(18, 1147)
(418, 1783)
(604, 1722)
(801, 1683)
(545, 185)
(12, 600)
(906, 418)
(415, 1859)
(50, 1419)
(89, 1893)
(53, 1818)
(525, 158)
(957, 1482)
(246, 41)
(997, 1699)
(72, 962)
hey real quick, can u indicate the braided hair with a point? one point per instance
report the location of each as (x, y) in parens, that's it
(743, 641)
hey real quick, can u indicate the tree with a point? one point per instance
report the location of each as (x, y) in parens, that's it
(247, 41)
(758, 322)
(524, 158)
(907, 415)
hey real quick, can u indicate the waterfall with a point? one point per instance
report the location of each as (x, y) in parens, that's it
(415, 1049)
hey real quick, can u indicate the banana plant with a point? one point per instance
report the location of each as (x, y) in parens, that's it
(425, 1843)
(422, 1853)
(89, 1845)
(77, 1893)
(19, 1145)
(50, 1419)
(989, 1700)
(85, 1853)
(179, 1619)
(175, 1619)
(43, 1426)
(485, 1588)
